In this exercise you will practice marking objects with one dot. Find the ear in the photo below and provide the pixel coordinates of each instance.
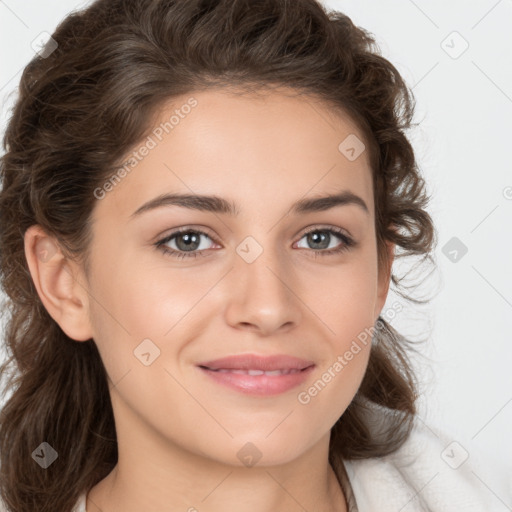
(56, 280)
(384, 278)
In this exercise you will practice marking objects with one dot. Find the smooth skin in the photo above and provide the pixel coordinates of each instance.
(179, 432)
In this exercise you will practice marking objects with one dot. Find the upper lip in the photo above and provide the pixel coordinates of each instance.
(256, 362)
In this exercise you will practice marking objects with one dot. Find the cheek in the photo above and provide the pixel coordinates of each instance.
(345, 313)
(343, 297)
(324, 401)
(139, 307)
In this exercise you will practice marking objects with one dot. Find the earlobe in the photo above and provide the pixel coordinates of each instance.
(63, 296)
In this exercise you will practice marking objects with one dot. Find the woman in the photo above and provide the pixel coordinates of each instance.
(201, 204)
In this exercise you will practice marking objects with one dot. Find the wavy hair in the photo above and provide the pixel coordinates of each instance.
(79, 111)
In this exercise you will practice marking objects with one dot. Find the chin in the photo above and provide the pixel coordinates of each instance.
(260, 450)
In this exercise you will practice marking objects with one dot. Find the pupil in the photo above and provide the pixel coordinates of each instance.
(316, 235)
(188, 240)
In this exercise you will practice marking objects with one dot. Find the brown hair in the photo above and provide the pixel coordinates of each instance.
(82, 108)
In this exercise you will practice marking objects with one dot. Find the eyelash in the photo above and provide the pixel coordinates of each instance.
(347, 244)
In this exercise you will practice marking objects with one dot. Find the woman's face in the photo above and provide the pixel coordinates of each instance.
(248, 282)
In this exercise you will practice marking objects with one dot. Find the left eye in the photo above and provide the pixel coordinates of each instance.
(188, 242)
(322, 237)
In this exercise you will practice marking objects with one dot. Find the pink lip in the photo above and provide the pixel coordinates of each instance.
(255, 362)
(263, 385)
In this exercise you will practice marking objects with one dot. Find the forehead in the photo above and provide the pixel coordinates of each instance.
(255, 149)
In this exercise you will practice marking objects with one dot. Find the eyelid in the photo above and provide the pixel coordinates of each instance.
(320, 227)
(347, 241)
(188, 227)
(209, 232)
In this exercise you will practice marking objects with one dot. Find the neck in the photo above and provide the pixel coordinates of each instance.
(194, 485)
(154, 473)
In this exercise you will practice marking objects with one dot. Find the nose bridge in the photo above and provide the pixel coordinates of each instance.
(261, 266)
(263, 293)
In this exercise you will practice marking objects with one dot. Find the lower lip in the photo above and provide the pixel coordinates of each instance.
(262, 385)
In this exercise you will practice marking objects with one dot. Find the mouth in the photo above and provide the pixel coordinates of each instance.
(254, 372)
(258, 375)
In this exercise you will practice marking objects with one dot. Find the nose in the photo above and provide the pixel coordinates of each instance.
(262, 297)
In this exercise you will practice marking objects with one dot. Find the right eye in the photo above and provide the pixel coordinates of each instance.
(187, 240)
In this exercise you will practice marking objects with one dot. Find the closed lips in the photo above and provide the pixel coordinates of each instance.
(255, 372)
(252, 364)
(258, 375)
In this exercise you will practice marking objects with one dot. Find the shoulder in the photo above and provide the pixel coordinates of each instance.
(430, 472)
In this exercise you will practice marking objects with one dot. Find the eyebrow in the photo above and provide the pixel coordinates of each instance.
(220, 205)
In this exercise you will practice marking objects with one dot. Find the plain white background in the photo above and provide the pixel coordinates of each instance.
(456, 58)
